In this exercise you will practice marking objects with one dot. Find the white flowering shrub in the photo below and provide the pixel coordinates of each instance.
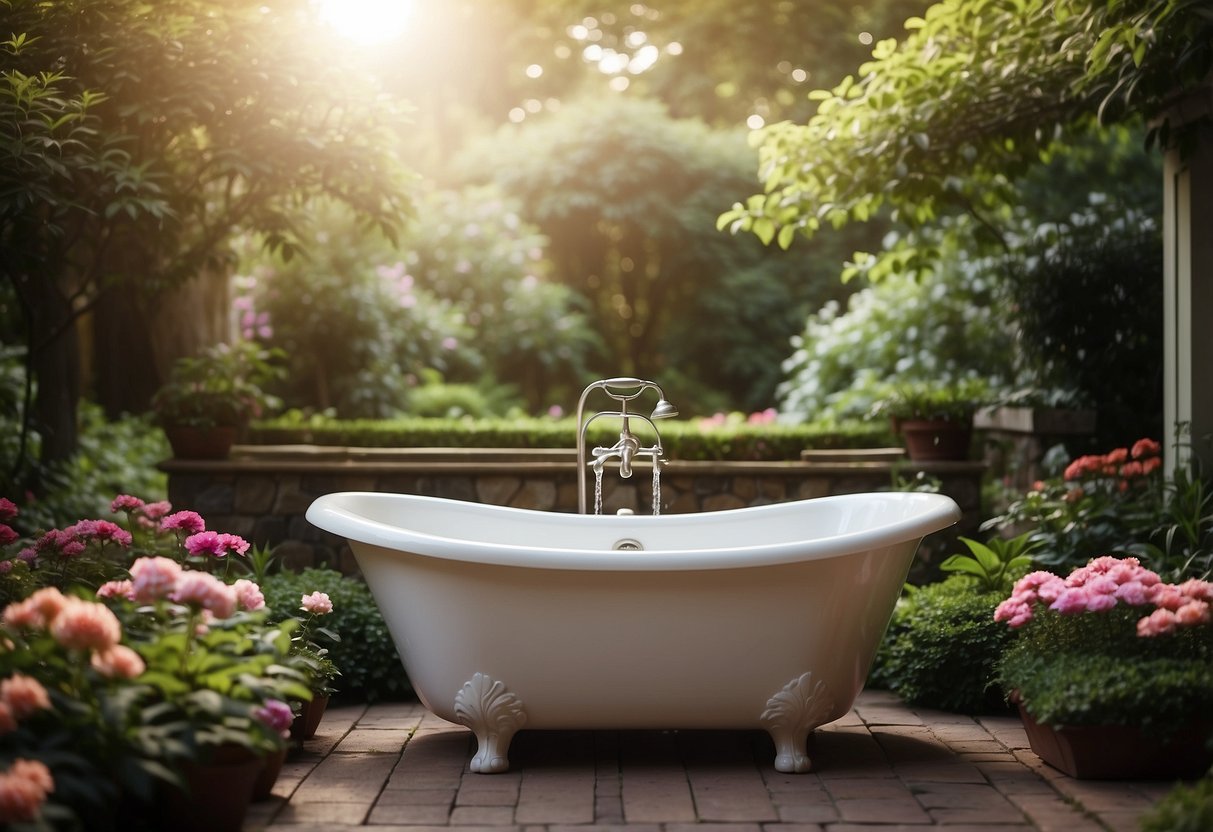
(940, 326)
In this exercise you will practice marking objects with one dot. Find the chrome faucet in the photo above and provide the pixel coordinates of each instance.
(622, 390)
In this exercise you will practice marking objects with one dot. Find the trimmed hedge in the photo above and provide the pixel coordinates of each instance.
(942, 648)
(682, 440)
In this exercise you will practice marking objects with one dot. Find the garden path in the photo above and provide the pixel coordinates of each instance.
(885, 766)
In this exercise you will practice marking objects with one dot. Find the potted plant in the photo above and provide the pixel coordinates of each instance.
(935, 420)
(318, 667)
(208, 398)
(1112, 670)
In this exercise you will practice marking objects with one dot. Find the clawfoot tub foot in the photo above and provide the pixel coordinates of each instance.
(494, 714)
(791, 715)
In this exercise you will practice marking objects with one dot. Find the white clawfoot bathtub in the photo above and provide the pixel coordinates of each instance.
(765, 617)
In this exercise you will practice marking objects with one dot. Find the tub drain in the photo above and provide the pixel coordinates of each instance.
(628, 544)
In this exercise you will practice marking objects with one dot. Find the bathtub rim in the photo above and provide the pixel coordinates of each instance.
(936, 512)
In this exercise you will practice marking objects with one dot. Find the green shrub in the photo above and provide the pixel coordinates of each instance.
(369, 664)
(1183, 809)
(943, 646)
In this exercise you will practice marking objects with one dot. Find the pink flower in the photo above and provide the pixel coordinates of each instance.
(8, 722)
(1132, 470)
(1071, 601)
(317, 603)
(203, 590)
(1097, 602)
(189, 522)
(85, 625)
(8, 509)
(37, 611)
(1156, 623)
(215, 544)
(1133, 593)
(1192, 614)
(24, 695)
(1015, 613)
(1117, 456)
(1145, 448)
(276, 715)
(1151, 464)
(23, 790)
(1102, 585)
(7, 535)
(1196, 589)
(157, 510)
(35, 771)
(102, 530)
(125, 502)
(118, 662)
(154, 578)
(248, 595)
(1166, 597)
(116, 589)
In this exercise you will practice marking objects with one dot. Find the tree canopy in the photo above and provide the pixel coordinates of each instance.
(135, 138)
(943, 120)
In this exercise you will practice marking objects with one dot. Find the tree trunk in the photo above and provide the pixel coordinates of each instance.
(56, 369)
(136, 340)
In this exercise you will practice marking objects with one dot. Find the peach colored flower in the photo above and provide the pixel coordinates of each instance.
(1145, 447)
(1156, 623)
(24, 695)
(118, 662)
(85, 625)
(34, 771)
(23, 790)
(36, 611)
(154, 578)
(1192, 614)
(203, 590)
(116, 589)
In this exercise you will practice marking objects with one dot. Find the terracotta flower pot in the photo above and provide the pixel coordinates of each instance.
(305, 725)
(217, 792)
(201, 443)
(272, 767)
(935, 439)
(1120, 752)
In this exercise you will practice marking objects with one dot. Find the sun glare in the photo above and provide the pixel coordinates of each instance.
(366, 22)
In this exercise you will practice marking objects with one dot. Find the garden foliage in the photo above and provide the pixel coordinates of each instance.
(131, 647)
(365, 656)
(942, 647)
(948, 325)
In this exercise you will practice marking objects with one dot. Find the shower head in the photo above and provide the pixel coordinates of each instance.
(664, 410)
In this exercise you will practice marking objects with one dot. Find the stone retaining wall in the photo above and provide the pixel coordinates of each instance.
(262, 492)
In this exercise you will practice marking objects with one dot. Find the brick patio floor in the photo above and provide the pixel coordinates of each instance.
(885, 766)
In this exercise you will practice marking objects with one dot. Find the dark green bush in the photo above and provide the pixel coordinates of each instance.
(942, 648)
(1184, 809)
(682, 440)
(1093, 669)
(369, 664)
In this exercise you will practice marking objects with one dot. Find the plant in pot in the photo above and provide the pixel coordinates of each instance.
(210, 397)
(314, 658)
(1112, 670)
(935, 420)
